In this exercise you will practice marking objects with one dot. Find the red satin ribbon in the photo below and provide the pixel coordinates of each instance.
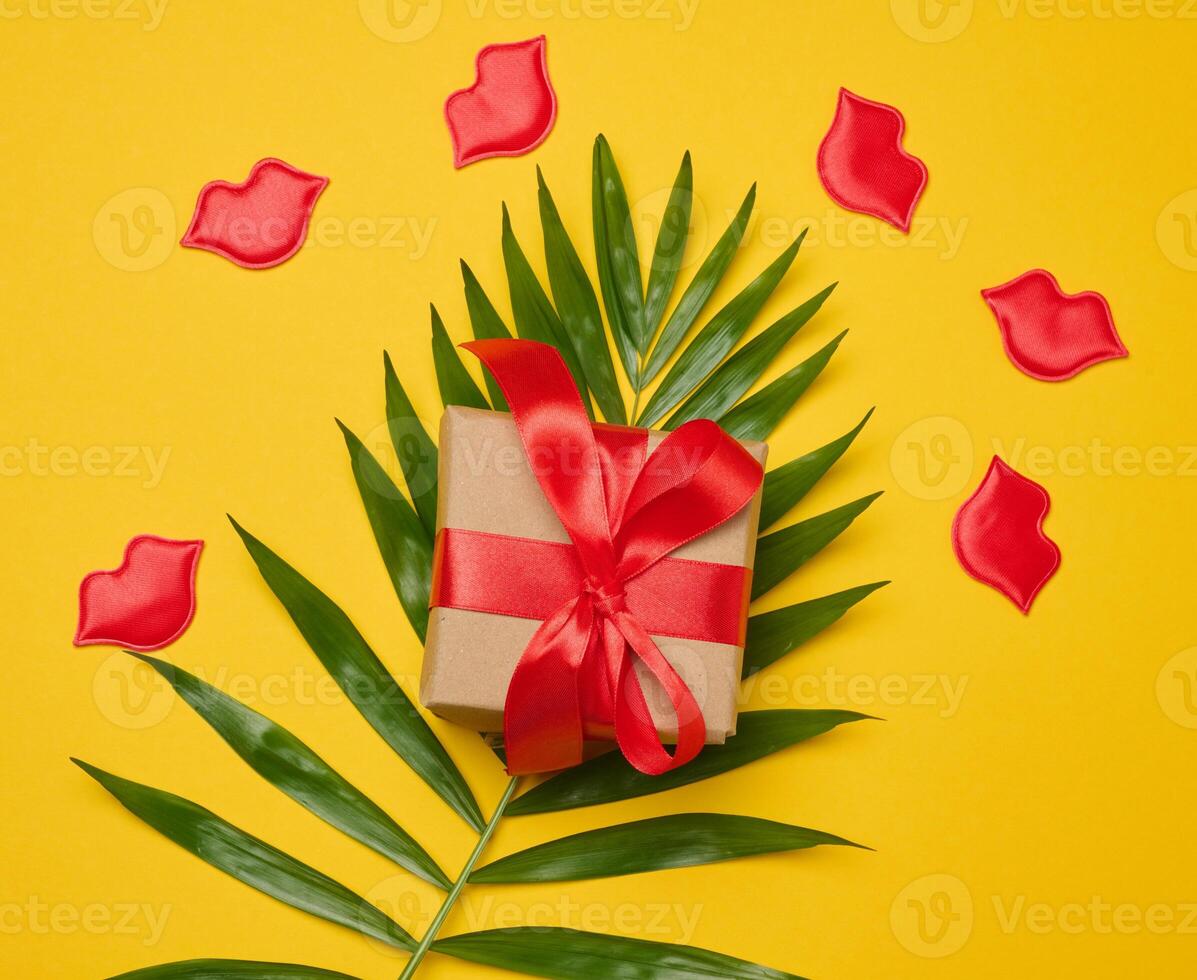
(624, 513)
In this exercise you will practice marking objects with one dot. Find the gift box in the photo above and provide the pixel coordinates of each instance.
(487, 485)
(504, 563)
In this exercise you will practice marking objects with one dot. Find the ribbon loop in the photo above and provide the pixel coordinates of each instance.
(622, 520)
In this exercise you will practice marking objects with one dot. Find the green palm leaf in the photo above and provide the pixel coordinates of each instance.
(249, 859)
(232, 970)
(535, 318)
(578, 308)
(785, 486)
(356, 668)
(618, 259)
(567, 954)
(772, 635)
(780, 554)
(402, 540)
(694, 299)
(609, 777)
(670, 247)
(713, 341)
(415, 451)
(291, 766)
(680, 840)
(743, 369)
(487, 325)
(452, 378)
(758, 416)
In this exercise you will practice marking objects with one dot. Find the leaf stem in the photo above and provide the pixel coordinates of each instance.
(455, 892)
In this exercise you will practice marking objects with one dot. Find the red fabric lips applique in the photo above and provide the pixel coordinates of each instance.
(998, 535)
(145, 604)
(511, 107)
(1049, 334)
(862, 163)
(260, 223)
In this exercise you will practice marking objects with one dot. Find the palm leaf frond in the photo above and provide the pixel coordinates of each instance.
(609, 777)
(785, 486)
(250, 860)
(232, 970)
(694, 299)
(680, 840)
(568, 954)
(780, 554)
(360, 674)
(716, 339)
(291, 766)
(578, 306)
(403, 542)
(415, 451)
(670, 247)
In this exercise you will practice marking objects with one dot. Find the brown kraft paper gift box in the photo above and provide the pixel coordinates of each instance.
(486, 484)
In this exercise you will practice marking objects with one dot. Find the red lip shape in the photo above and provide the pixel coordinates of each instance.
(510, 108)
(260, 223)
(145, 604)
(998, 535)
(1049, 334)
(862, 163)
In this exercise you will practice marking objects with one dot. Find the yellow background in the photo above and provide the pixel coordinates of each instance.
(1057, 135)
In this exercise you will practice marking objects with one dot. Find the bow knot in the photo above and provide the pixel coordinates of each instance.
(607, 599)
(577, 670)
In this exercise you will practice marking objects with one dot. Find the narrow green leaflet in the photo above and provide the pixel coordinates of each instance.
(743, 369)
(785, 486)
(713, 341)
(567, 954)
(625, 343)
(670, 247)
(356, 668)
(772, 635)
(415, 451)
(756, 417)
(250, 860)
(232, 970)
(780, 554)
(694, 299)
(609, 777)
(615, 248)
(402, 540)
(578, 308)
(680, 840)
(291, 766)
(454, 381)
(535, 318)
(487, 325)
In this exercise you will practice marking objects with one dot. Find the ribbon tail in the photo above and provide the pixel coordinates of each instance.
(542, 717)
(635, 730)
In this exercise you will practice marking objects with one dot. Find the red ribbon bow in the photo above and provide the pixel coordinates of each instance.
(623, 520)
